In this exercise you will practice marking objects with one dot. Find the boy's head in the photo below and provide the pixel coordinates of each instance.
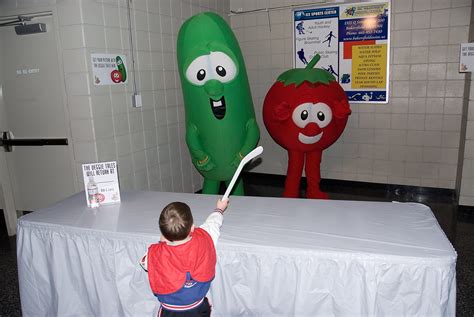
(176, 221)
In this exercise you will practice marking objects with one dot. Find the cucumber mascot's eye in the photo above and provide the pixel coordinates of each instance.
(201, 74)
(220, 71)
(216, 65)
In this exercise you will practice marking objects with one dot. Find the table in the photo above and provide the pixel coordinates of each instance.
(276, 257)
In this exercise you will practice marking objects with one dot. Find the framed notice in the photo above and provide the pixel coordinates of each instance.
(109, 69)
(353, 42)
(101, 183)
(466, 58)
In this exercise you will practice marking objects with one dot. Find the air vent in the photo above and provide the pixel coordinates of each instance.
(30, 28)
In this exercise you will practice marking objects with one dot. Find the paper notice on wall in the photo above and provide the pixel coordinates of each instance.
(466, 60)
(369, 66)
(109, 69)
(353, 42)
(101, 183)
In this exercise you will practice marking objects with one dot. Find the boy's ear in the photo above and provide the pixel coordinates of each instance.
(192, 228)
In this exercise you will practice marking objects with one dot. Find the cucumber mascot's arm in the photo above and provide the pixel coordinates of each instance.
(200, 159)
(251, 138)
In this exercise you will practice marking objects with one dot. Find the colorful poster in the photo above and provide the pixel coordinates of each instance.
(101, 183)
(353, 41)
(109, 69)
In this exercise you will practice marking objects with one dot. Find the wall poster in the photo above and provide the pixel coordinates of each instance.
(466, 59)
(109, 69)
(353, 42)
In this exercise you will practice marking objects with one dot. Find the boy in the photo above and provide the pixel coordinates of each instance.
(182, 265)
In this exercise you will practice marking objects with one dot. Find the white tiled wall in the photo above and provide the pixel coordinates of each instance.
(412, 140)
(148, 142)
(466, 192)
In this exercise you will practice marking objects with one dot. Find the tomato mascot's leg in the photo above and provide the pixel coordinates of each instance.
(293, 175)
(210, 186)
(238, 187)
(313, 175)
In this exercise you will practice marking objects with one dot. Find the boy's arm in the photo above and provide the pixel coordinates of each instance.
(213, 222)
(144, 262)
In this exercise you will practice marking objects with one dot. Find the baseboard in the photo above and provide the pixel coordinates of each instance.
(4, 239)
(356, 187)
(466, 209)
(386, 191)
(466, 214)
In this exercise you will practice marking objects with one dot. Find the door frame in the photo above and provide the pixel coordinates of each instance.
(6, 178)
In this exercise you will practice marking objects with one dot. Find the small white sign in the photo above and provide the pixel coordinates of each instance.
(27, 71)
(109, 69)
(101, 183)
(466, 60)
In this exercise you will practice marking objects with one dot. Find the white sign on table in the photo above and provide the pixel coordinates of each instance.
(101, 183)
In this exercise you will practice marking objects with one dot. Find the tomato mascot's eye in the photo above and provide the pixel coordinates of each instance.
(319, 113)
(201, 74)
(304, 115)
(321, 116)
(221, 71)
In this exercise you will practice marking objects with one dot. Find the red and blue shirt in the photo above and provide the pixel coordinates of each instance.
(181, 275)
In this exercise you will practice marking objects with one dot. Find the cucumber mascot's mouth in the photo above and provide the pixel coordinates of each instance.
(218, 107)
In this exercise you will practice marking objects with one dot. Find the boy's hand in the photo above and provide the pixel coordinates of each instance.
(222, 204)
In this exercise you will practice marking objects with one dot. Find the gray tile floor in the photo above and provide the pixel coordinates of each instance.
(460, 230)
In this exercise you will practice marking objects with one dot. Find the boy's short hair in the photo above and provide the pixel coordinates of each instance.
(176, 221)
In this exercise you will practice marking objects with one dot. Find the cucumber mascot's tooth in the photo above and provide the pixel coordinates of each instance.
(220, 118)
(121, 68)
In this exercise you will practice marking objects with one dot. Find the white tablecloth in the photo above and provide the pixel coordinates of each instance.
(276, 257)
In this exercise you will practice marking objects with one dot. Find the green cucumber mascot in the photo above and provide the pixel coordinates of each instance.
(220, 118)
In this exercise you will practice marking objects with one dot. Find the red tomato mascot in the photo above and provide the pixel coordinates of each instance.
(305, 111)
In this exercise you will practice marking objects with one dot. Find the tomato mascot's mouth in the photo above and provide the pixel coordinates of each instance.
(310, 134)
(309, 139)
(218, 107)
